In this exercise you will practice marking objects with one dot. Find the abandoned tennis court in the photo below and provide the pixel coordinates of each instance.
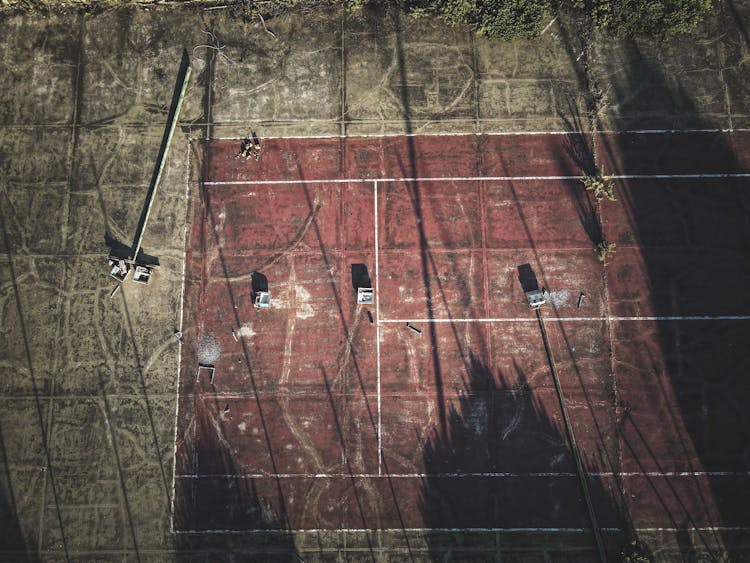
(428, 402)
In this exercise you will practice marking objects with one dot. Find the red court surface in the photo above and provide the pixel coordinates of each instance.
(325, 415)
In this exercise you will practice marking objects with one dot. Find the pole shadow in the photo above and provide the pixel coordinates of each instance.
(580, 150)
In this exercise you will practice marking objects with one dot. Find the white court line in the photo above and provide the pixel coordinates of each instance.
(476, 179)
(459, 530)
(679, 176)
(493, 475)
(505, 134)
(572, 319)
(377, 330)
(179, 342)
(402, 530)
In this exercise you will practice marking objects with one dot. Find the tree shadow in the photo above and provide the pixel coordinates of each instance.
(682, 230)
(409, 165)
(578, 146)
(580, 150)
(503, 464)
(474, 481)
(219, 512)
(739, 22)
(217, 496)
(705, 363)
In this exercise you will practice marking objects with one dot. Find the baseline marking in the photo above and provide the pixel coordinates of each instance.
(401, 530)
(573, 319)
(377, 330)
(474, 179)
(562, 475)
(509, 530)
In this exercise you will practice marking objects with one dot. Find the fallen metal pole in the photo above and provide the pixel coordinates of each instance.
(174, 113)
(573, 443)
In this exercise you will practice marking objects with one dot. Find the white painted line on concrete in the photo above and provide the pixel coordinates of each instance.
(402, 530)
(673, 131)
(504, 134)
(459, 530)
(484, 475)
